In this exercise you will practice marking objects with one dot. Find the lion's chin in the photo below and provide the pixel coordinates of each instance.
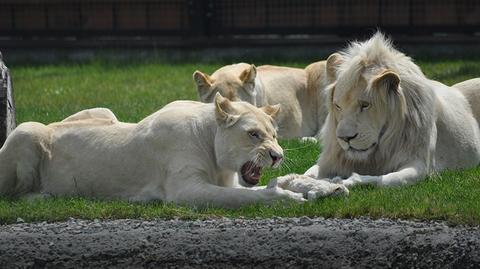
(360, 154)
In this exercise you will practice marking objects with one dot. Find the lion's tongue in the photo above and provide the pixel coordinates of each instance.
(255, 173)
(251, 173)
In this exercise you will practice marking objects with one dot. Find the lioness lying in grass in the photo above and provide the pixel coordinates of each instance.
(188, 152)
(471, 90)
(299, 91)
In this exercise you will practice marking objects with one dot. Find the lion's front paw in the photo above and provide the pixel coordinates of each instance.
(279, 194)
(308, 139)
(353, 180)
(337, 180)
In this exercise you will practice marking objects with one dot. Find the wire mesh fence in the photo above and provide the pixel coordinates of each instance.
(210, 18)
(331, 16)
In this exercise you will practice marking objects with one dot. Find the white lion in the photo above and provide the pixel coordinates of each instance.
(471, 90)
(388, 124)
(299, 91)
(187, 152)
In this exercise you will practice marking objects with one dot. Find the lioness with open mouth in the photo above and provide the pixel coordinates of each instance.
(299, 91)
(188, 152)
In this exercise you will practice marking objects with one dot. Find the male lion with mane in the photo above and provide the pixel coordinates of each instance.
(187, 152)
(388, 124)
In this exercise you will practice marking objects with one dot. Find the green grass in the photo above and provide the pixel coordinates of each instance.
(48, 93)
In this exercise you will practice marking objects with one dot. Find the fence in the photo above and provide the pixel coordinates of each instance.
(77, 19)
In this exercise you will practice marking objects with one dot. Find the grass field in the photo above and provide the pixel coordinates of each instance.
(48, 93)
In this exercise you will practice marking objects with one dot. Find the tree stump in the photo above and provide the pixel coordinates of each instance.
(7, 103)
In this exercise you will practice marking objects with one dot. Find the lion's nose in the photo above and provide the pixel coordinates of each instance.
(276, 157)
(348, 138)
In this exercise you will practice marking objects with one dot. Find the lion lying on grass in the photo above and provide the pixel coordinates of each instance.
(299, 91)
(388, 124)
(471, 90)
(187, 152)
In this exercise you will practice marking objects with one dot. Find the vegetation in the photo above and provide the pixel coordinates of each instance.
(48, 93)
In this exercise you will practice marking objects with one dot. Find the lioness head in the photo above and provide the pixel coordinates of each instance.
(246, 139)
(362, 99)
(235, 82)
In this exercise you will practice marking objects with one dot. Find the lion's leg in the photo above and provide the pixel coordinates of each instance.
(405, 176)
(93, 113)
(308, 139)
(205, 194)
(20, 158)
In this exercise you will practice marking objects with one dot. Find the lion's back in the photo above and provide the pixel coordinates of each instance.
(458, 135)
(179, 116)
(107, 157)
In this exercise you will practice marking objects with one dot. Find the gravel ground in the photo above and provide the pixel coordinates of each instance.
(224, 243)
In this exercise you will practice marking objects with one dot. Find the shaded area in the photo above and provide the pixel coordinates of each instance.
(190, 24)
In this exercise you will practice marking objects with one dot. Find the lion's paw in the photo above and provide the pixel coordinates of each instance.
(337, 180)
(308, 139)
(353, 180)
(279, 194)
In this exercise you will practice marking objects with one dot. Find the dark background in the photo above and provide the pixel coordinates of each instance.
(224, 23)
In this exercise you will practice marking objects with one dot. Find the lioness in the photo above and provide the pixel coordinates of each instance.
(187, 152)
(471, 90)
(388, 124)
(299, 91)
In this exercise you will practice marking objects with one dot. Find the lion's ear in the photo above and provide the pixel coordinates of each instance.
(204, 83)
(223, 111)
(329, 92)
(333, 62)
(248, 75)
(272, 111)
(388, 80)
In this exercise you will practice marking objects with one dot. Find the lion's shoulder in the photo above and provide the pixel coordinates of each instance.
(316, 76)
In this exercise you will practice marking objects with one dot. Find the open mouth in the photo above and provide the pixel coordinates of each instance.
(251, 173)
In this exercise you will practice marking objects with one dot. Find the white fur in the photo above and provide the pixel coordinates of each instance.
(419, 126)
(187, 152)
(471, 90)
(299, 91)
(311, 188)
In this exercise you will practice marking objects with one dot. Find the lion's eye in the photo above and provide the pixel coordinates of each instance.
(254, 134)
(337, 107)
(364, 106)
